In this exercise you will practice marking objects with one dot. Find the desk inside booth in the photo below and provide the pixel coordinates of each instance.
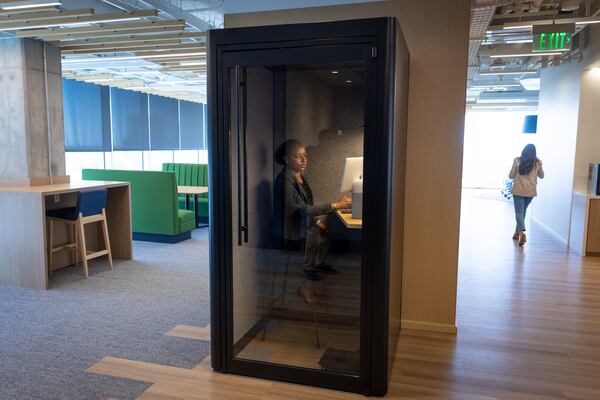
(24, 236)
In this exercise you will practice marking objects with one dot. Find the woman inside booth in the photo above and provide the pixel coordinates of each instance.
(297, 220)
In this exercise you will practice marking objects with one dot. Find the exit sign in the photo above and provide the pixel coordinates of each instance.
(553, 37)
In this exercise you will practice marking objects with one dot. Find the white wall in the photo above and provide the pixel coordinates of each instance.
(557, 135)
(588, 138)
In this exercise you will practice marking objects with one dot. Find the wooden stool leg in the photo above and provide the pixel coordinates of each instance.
(50, 244)
(83, 246)
(106, 238)
(77, 250)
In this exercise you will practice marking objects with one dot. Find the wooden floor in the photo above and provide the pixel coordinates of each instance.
(528, 320)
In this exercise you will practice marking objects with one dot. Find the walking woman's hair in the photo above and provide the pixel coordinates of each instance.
(528, 159)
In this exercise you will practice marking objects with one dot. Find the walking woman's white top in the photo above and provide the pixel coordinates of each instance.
(525, 185)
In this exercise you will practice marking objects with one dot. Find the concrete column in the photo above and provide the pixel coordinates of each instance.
(31, 152)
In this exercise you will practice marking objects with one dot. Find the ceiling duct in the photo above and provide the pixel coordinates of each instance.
(481, 16)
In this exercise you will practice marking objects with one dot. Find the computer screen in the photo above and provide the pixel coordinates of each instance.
(353, 170)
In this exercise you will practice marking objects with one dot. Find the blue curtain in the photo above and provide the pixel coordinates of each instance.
(164, 123)
(86, 110)
(191, 125)
(129, 112)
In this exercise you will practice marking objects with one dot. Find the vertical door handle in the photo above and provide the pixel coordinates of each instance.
(238, 112)
(244, 84)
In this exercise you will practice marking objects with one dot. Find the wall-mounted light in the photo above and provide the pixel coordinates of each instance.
(530, 124)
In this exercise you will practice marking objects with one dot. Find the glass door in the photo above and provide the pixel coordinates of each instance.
(296, 125)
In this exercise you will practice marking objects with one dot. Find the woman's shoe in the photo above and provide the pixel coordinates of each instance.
(522, 238)
(516, 235)
(311, 275)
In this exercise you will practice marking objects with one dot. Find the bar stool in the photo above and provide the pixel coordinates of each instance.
(90, 208)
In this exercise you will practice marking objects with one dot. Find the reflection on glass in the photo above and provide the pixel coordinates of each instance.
(297, 247)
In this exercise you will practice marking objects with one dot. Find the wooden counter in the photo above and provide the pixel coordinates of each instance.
(349, 222)
(584, 235)
(23, 231)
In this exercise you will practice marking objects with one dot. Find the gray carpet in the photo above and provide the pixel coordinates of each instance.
(48, 338)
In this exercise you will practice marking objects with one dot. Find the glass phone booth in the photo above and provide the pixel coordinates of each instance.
(302, 158)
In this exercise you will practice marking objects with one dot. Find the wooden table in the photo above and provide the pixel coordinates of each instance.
(192, 191)
(348, 221)
(23, 231)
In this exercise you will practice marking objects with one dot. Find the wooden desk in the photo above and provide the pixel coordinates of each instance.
(584, 232)
(23, 231)
(192, 191)
(349, 222)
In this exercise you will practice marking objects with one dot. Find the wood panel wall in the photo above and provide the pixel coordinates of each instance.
(437, 34)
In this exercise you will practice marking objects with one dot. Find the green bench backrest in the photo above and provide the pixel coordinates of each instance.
(189, 174)
(153, 198)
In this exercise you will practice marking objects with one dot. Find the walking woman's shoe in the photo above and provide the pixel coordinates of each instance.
(522, 238)
(516, 235)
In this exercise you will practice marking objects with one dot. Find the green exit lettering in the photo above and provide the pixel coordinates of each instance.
(552, 41)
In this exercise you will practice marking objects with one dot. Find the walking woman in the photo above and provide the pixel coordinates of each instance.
(525, 171)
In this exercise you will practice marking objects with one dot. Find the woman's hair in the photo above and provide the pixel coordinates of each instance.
(285, 149)
(528, 159)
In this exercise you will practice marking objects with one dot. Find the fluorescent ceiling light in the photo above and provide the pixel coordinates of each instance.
(531, 83)
(191, 63)
(67, 24)
(105, 59)
(519, 41)
(494, 85)
(31, 4)
(526, 26)
(508, 73)
(492, 101)
(555, 53)
(587, 22)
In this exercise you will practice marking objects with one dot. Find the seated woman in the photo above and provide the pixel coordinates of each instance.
(296, 216)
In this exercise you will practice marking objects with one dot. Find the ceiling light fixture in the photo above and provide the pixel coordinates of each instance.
(528, 72)
(348, 81)
(335, 72)
(22, 5)
(555, 53)
(105, 59)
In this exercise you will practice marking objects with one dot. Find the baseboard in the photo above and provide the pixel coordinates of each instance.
(154, 237)
(550, 231)
(428, 326)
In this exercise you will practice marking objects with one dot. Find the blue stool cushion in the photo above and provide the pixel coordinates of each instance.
(89, 202)
(69, 213)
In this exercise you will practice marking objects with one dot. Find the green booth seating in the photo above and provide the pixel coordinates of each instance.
(191, 175)
(154, 212)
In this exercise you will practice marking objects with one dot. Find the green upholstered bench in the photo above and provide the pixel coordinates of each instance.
(154, 210)
(191, 175)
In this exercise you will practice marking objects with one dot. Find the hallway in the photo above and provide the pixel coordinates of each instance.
(528, 318)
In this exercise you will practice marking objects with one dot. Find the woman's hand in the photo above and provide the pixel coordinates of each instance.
(343, 202)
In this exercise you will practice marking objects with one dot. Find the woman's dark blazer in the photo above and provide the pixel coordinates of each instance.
(293, 211)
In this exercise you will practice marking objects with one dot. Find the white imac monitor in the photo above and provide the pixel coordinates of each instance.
(353, 170)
